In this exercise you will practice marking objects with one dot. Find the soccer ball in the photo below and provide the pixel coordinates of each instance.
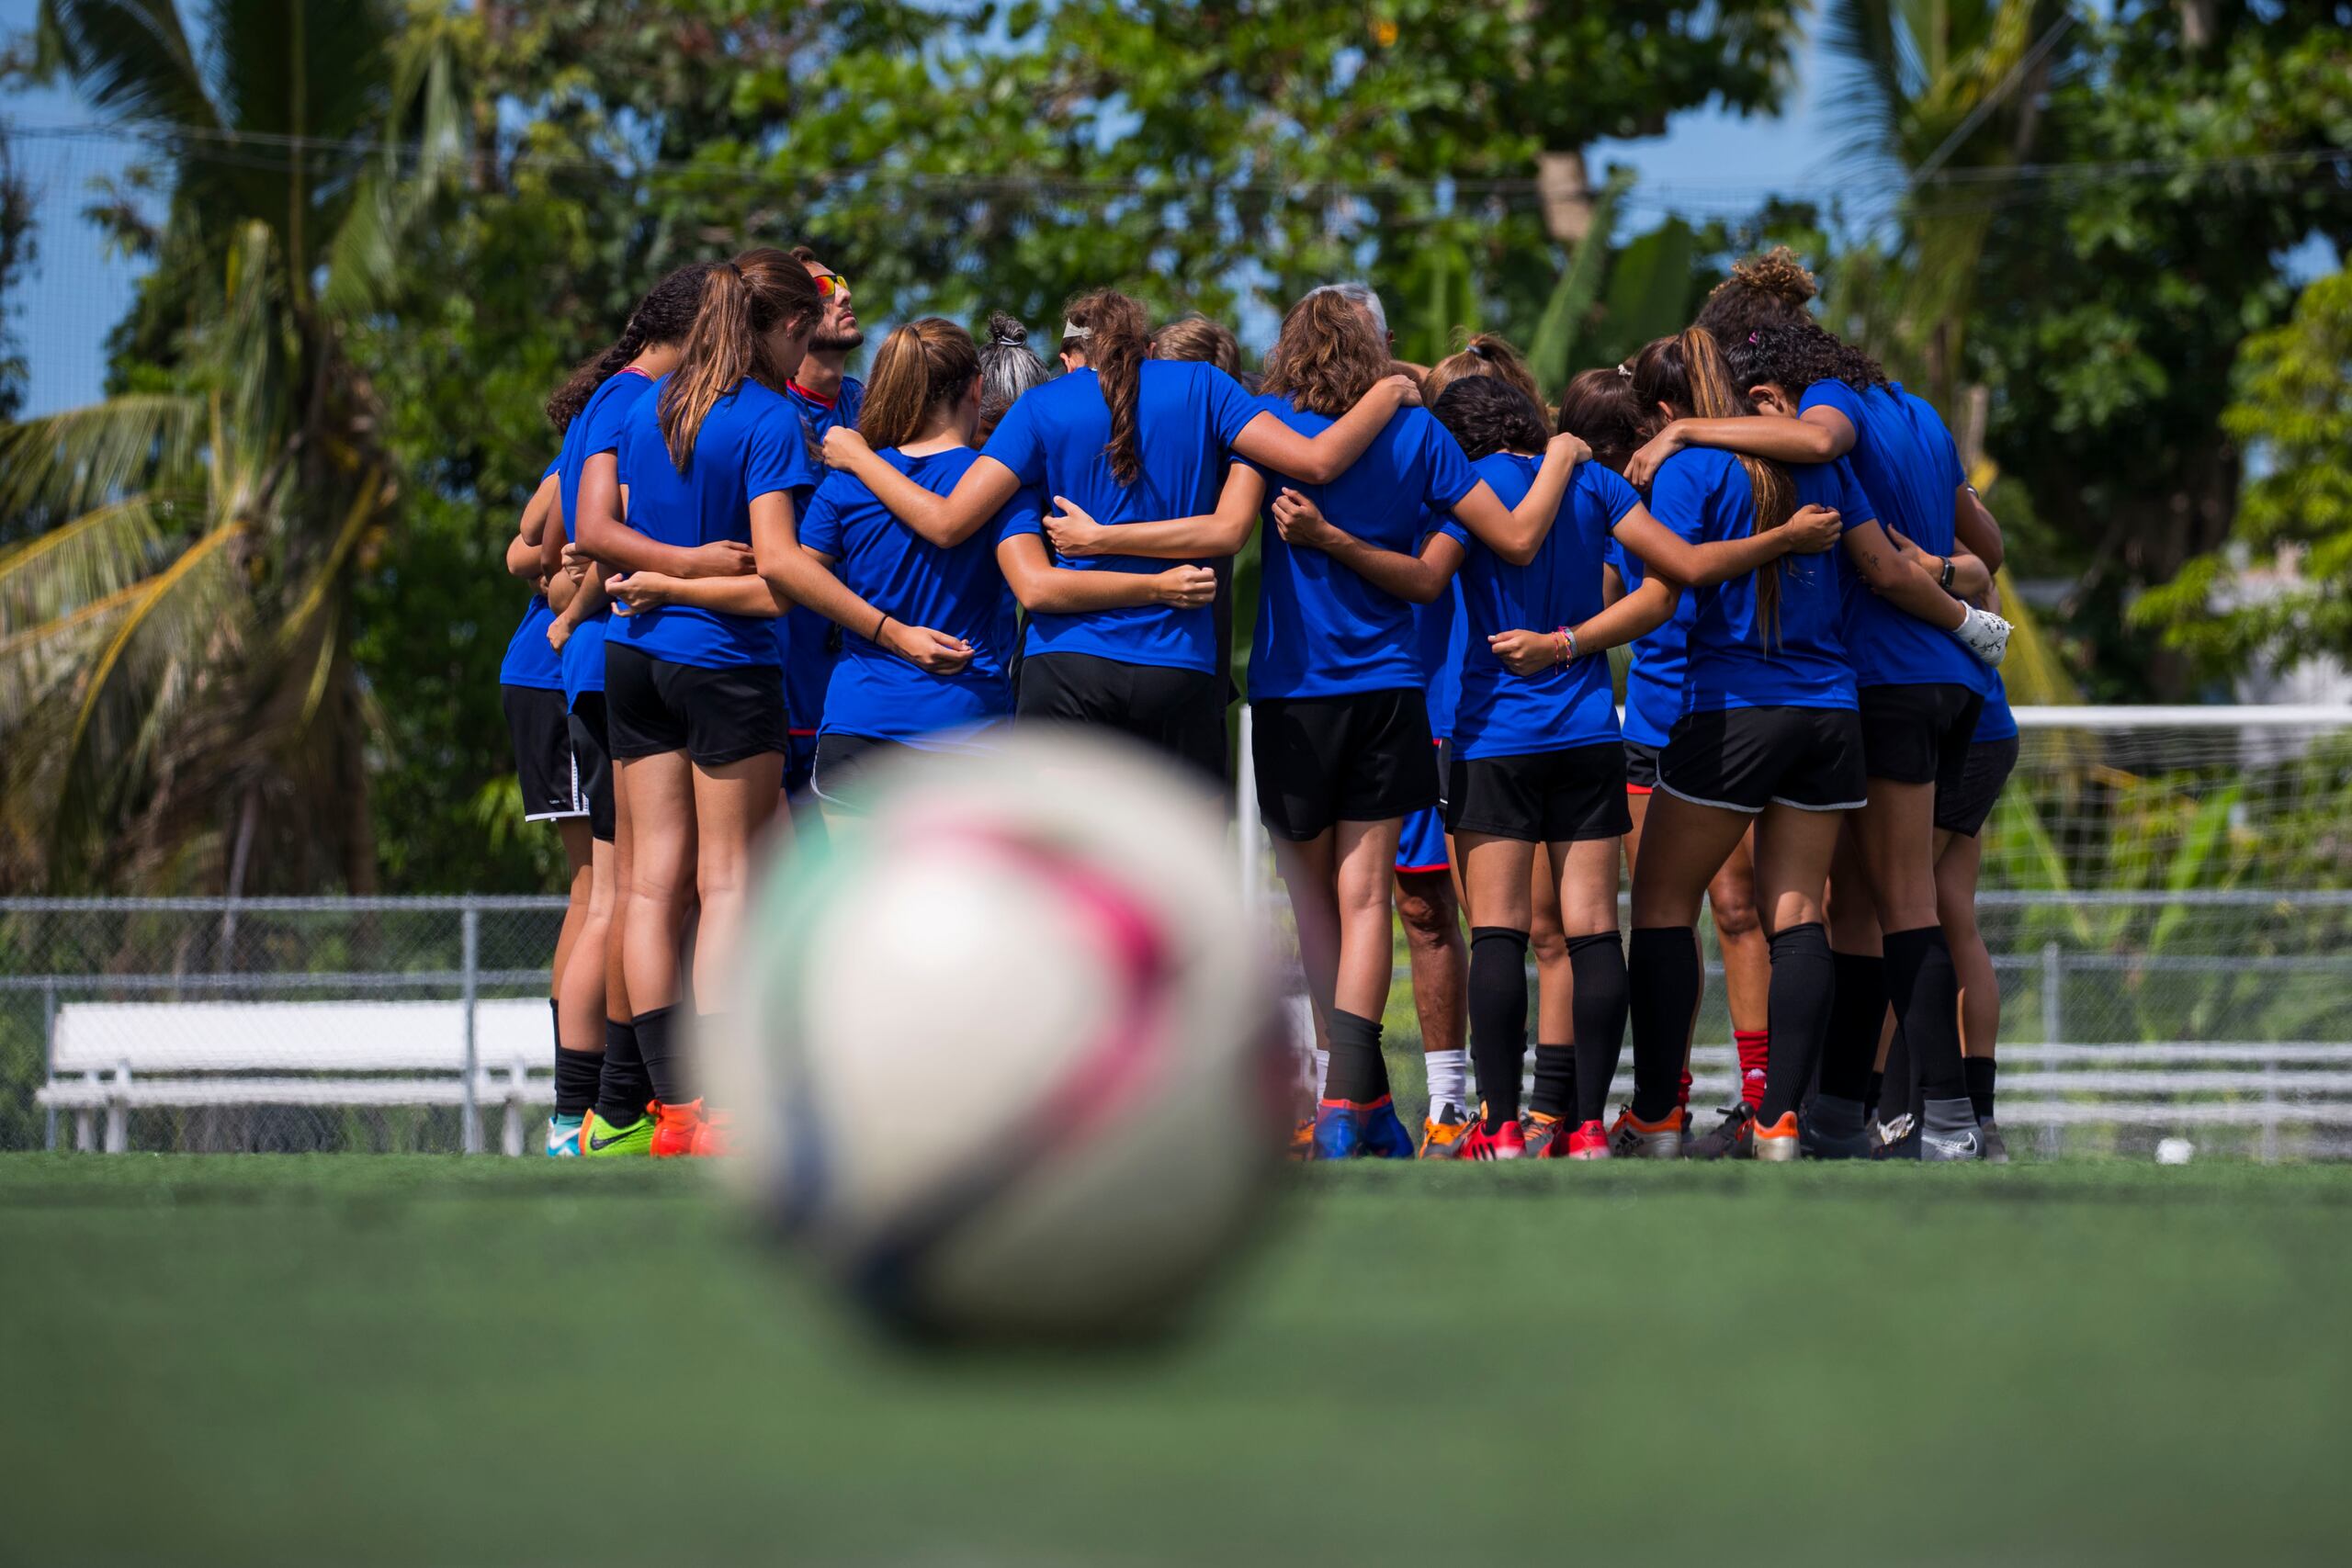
(1003, 1055)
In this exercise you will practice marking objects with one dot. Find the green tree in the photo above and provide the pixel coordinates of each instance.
(17, 252)
(2293, 411)
(177, 678)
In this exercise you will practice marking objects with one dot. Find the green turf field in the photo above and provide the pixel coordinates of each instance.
(381, 1359)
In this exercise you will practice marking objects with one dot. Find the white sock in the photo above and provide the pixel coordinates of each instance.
(1322, 1072)
(1449, 1078)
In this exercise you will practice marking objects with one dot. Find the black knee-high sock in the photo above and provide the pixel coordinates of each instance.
(1498, 1017)
(577, 1074)
(1805, 989)
(1902, 1086)
(623, 1089)
(1603, 996)
(659, 1046)
(1855, 1018)
(1556, 1082)
(1358, 1074)
(1925, 990)
(1982, 1072)
(1663, 968)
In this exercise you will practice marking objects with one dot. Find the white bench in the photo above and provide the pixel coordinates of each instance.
(117, 1057)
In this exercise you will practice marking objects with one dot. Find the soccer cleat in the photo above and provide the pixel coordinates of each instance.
(1442, 1136)
(1339, 1131)
(1778, 1142)
(1834, 1128)
(1899, 1139)
(710, 1138)
(1381, 1135)
(1733, 1137)
(1504, 1142)
(1633, 1138)
(1539, 1132)
(563, 1137)
(1997, 1148)
(1949, 1131)
(598, 1139)
(1302, 1139)
(675, 1128)
(1588, 1142)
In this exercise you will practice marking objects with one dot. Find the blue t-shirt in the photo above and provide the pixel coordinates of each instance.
(1440, 631)
(1909, 468)
(1322, 630)
(873, 692)
(1735, 660)
(1654, 679)
(1053, 439)
(529, 660)
(809, 641)
(1998, 723)
(597, 429)
(1504, 715)
(751, 443)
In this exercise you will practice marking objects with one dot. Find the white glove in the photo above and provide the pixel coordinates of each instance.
(1984, 635)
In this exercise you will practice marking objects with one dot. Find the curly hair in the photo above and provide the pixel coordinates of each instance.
(1481, 354)
(665, 316)
(1762, 291)
(1597, 407)
(1794, 357)
(1687, 373)
(1487, 414)
(1327, 355)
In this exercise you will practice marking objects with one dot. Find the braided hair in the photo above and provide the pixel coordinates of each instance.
(665, 316)
(1117, 341)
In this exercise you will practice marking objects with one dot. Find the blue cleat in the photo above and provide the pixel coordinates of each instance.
(1380, 1135)
(564, 1137)
(1338, 1130)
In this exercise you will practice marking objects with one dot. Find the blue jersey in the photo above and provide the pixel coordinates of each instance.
(1653, 677)
(1055, 439)
(1322, 630)
(1908, 467)
(1739, 658)
(597, 429)
(807, 640)
(1998, 723)
(873, 692)
(751, 443)
(1504, 715)
(1439, 630)
(529, 660)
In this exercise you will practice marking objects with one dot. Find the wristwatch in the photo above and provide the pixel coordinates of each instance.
(1946, 576)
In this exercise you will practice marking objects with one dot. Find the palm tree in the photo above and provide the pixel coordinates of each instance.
(176, 677)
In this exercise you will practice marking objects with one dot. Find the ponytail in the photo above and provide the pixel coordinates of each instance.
(1008, 368)
(1480, 354)
(743, 301)
(921, 366)
(1687, 372)
(664, 316)
(1117, 341)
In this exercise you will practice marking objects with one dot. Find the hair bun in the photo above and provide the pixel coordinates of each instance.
(1778, 273)
(1005, 330)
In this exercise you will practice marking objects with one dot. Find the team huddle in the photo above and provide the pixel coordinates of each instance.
(755, 576)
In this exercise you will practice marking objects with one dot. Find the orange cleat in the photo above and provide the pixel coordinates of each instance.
(710, 1138)
(675, 1128)
(1302, 1139)
(1633, 1138)
(1541, 1131)
(1778, 1141)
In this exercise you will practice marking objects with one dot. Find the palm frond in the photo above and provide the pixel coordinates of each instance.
(130, 59)
(95, 554)
(64, 464)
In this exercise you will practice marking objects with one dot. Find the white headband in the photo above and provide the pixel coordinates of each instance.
(1070, 331)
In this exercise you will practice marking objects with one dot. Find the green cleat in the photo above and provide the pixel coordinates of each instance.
(598, 1141)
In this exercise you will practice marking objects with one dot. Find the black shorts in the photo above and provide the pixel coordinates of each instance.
(592, 749)
(843, 761)
(1358, 757)
(1746, 758)
(1178, 711)
(543, 760)
(1916, 735)
(1963, 810)
(800, 761)
(1543, 797)
(1640, 768)
(715, 717)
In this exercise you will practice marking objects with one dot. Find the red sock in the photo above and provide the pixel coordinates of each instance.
(1682, 1092)
(1753, 1054)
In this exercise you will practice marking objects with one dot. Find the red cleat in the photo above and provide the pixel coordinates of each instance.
(675, 1128)
(710, 1138)
(1588, 1142)
(1504, 1142)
